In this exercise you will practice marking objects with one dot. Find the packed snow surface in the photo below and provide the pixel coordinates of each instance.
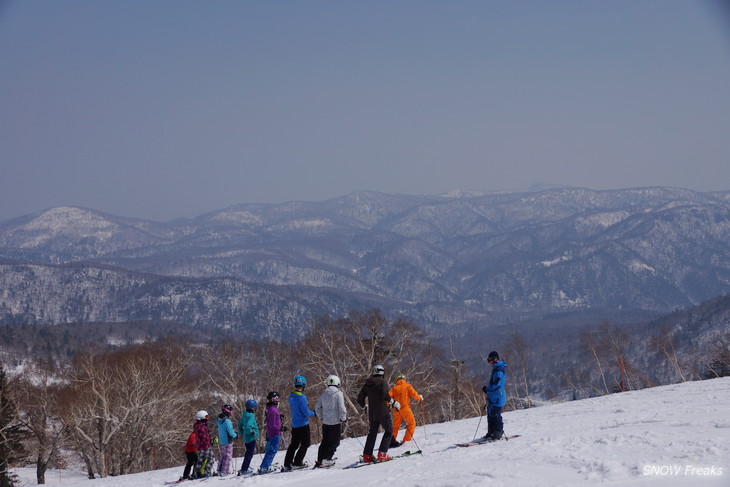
(670, 435)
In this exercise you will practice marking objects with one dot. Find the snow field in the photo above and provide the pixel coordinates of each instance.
(670, 435)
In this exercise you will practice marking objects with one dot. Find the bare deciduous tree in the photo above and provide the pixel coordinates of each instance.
(127, 408)
(517, 351)
(38, 393)
(349, 347)
(663, 344)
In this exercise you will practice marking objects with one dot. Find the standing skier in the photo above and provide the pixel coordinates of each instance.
(300, 431)
(496, 397)
(190, 455)
(379, 402)
(403, 392)
(202, 444)
(249, 431)
(273, 432)
(226, 436)
(330, 409)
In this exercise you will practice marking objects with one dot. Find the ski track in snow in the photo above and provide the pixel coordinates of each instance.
(612, 440)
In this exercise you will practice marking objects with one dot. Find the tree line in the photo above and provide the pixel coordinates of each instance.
(130, 409)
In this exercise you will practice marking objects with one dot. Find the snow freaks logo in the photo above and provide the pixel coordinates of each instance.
(682, 470)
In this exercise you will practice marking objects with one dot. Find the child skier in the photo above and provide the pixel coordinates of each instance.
(496, 397)
(379, 402)
(273, 432)
(226, 436)
(202, 443)
(300, 432)
(249, 431)
(330, 409)
(403, 392)
(191, 455)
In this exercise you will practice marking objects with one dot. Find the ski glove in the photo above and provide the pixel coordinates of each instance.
(484, 389)
(394, 404)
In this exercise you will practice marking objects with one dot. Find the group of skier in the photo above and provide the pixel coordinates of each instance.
(374, 397)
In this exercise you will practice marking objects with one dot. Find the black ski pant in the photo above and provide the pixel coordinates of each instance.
(387, 424)
(300, 441)
(330, 441)
(192, 459)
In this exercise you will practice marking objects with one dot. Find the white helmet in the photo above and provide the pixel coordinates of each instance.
(378, 370)
(201, 415)
(333, 380)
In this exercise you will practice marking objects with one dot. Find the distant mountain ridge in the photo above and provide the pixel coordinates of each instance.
(460, 258)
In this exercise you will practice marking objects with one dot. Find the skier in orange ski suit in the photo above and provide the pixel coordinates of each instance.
(403, 392)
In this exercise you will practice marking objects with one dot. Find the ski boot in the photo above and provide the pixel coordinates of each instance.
(367, 458)
(383, 456)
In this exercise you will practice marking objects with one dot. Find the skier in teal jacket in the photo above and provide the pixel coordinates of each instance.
(249, 431)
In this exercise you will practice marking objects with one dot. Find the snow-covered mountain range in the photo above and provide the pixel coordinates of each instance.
(464, 258)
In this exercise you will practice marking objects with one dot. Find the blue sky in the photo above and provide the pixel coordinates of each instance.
(171, 108)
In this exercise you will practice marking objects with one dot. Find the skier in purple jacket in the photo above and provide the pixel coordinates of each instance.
(273, 431)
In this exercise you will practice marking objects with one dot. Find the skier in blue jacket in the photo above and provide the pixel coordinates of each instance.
(496, 397)
(300, 433)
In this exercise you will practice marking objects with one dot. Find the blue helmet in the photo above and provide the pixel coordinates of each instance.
(251, 404)
(300, 381)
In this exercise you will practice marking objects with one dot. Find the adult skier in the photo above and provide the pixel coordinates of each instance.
(378, 407)
(403, 392)
(496, 397)
(330, 409)
(300, 431)
(226, 436)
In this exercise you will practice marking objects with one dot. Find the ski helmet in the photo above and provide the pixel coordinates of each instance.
(378, 370)
(400, 377)
(201, 415)
(492, 357)
(300, 381)
(333, 380)
(273, 396)
(251, 404)
(227, 409)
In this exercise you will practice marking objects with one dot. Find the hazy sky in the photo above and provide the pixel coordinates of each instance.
(161, 109)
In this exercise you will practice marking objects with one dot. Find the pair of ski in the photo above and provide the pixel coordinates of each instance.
(197, 480)
(276, 469)
(483, 441)
(359, 464)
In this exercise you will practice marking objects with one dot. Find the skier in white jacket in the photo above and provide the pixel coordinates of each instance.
(330, 409)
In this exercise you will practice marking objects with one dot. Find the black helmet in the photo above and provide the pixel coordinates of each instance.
(273, 396)
(493, 357)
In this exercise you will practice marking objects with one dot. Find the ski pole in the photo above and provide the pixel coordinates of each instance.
(423, 421)
(479, 424)
(353, 434)
(235, 459)
(416, 443)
